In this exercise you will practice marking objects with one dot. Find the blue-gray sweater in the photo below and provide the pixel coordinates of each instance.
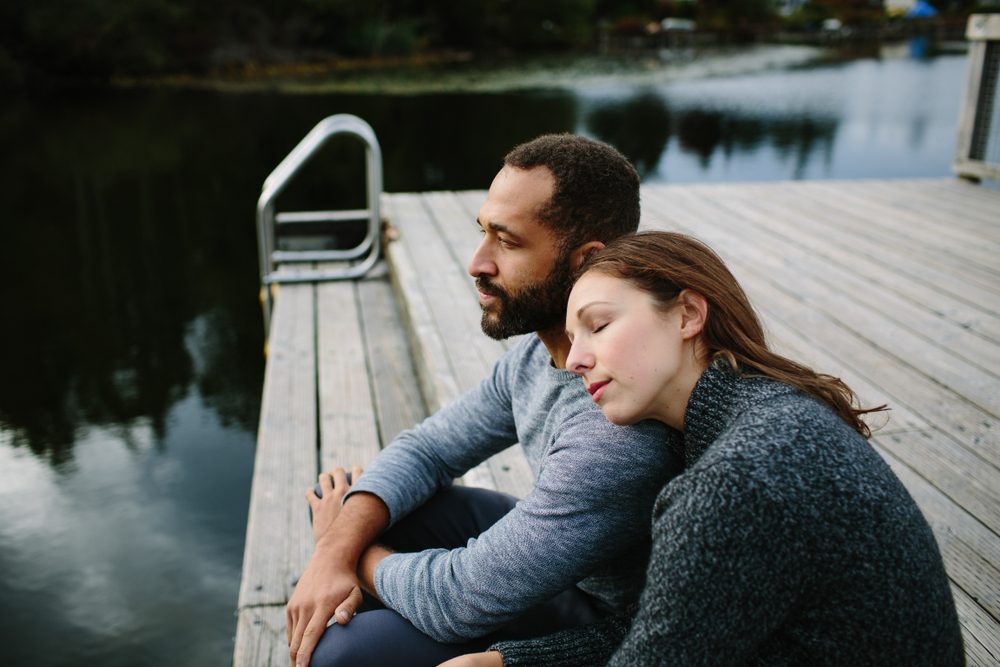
(583, 523)
(787, 541)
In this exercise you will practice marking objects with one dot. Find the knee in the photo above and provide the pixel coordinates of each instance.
(338, 647)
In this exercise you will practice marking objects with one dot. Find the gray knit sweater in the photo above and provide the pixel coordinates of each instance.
(786, 541)
(585, 522)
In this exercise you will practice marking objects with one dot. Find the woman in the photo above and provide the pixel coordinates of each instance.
(787, 539)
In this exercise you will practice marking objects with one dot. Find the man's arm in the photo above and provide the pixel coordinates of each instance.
(331, 575)
(590, 507)
(403, 476)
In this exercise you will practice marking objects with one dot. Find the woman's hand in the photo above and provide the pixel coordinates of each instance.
(487, 659)
(334, 486)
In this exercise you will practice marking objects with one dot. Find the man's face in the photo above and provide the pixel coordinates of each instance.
(522, 277)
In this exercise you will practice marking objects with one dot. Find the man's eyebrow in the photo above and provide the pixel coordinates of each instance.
(496, 227)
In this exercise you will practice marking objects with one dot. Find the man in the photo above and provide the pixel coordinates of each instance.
(575, 547)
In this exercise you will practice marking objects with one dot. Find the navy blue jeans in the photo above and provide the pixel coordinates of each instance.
(379, 637)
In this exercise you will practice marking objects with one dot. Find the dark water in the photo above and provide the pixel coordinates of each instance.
(130, 350)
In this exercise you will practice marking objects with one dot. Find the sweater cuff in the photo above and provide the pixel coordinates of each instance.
(553, 651)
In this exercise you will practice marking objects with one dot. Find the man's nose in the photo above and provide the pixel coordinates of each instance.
(481, 263)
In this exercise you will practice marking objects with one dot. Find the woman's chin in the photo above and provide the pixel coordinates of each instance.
(618, 418)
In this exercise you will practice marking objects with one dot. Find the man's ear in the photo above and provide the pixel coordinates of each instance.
(694, 313)
(583, 252)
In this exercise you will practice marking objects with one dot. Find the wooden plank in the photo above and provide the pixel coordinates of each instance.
(891, 237)
(979, 632)
(858, 229)
(821, 240)
(399, 402)
(970, 550)
(286, 457)
(911, 233)
(953, 203)
(451, 300)
(437, 382)
(348, 428)
(261, 640)
(953, 470)
(920, 205)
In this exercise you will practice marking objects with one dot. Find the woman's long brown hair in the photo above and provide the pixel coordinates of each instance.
(662, 264)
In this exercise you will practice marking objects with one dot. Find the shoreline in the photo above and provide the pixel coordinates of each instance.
(459, 72)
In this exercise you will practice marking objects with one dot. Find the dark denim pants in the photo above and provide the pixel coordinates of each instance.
(379, 637)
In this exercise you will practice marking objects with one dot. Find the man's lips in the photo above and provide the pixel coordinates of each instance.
(487, 292)
(597, 389)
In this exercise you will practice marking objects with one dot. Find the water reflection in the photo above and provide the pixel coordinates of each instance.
(120, 236)
(639, 126)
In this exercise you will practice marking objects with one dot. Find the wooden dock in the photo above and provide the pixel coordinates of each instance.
(892, 285)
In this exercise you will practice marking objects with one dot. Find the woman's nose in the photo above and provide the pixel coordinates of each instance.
(579, 360)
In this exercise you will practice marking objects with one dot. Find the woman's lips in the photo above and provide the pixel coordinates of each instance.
(597, 390)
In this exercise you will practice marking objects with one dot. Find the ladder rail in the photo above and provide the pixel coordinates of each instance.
(367, 250)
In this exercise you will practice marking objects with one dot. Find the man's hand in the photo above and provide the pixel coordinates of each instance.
(329, 587)
(488, 659)
(325, 510)
(326, 590)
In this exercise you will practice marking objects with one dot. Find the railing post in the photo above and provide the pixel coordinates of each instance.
(977, 151)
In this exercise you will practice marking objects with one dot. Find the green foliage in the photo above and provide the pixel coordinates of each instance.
(736, 14)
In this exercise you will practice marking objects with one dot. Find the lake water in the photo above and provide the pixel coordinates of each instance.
(131, 351)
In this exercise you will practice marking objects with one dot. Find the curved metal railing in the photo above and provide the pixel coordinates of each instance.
(367, 251)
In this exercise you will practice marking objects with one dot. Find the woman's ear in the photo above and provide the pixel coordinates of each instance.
(694, 313)
(583, 252)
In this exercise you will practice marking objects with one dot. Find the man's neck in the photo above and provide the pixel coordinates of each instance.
(558, 345)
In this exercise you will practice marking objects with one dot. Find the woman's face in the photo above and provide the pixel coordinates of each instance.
(637, 361)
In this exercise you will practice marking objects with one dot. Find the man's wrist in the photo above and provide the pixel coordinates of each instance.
(367, 565)
(362, 518)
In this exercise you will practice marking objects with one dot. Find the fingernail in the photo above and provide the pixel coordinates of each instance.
(342, 615)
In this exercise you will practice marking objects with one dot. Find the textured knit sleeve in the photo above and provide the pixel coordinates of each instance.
(590, 508)
(730, 560)
(444, 446)
(586, 646)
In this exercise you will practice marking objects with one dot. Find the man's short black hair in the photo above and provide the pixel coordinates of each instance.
(596, 194)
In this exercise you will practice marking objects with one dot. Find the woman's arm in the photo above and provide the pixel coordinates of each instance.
(577, 647)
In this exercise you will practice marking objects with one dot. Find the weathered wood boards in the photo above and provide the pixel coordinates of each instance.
(339, 383)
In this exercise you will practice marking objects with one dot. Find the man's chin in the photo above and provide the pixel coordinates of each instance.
(491, 326)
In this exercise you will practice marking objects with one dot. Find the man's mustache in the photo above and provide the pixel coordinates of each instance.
(486, 287)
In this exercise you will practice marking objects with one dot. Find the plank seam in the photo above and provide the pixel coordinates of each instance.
(369, 369)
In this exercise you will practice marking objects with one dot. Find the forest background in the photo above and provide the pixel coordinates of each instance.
(46, 42)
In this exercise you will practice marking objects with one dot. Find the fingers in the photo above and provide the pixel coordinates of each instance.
(355, 473)
(340, 485)
(317, 625)
(326, 483)
(349, 607)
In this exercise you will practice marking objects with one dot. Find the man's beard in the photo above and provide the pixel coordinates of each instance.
(536, 307)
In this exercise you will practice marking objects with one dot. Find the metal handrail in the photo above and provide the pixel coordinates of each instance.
(369, 248)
